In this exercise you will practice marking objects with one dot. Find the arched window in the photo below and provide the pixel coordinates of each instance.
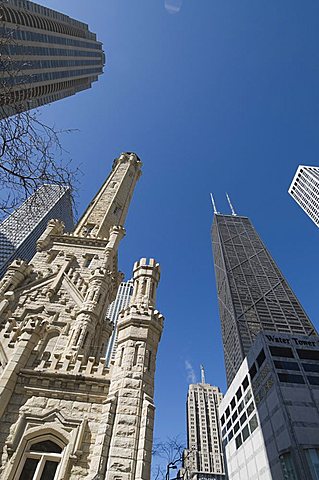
(40, 461)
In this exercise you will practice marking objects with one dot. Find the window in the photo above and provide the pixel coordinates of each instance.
(236, 427)
(245, 383)
(281, 352)
(312, 455)
(245, 433)
(239, 393)
(250, 408)
(243, 418)
(252, 371)
(238, 441)
(87, 261)
(287, 467)
(290, 378)
(286, 365)
(261, 358)
(40, 461)
(253, 423)
(308, 354)
(240, 407)
(311, 367)
(313, 380)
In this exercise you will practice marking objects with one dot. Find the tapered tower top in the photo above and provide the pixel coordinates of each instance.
(110, 205)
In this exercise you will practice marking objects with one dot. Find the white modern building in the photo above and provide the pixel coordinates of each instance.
(20, 231)
(203, 458)
(122, 300)
(304, 189)
(270, 413)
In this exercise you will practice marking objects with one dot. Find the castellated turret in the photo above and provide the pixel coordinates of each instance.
(63, 414)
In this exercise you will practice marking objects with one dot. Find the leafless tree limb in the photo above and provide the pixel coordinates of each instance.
(31, 152)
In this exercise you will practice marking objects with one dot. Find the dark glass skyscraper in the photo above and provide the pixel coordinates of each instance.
(253, 295)
(45, 56)
(20, 231)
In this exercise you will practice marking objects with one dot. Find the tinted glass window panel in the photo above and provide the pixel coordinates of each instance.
(245, 383)
(281, 352)
(261, 358)
(29, 469)
(252, 371)
(308, 354)
(313, 380)
(290, 378)
(253, 423)
(286, 365)
(245, 433)
(49, 470)
(311, 367)
(243, 418)
(238, 441)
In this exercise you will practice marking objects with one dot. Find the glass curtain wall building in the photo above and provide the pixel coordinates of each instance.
(304, 189)
(122, 300)
(253, 295)
(20, 231)
(46, 56)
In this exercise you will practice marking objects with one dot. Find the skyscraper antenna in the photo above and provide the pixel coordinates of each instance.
(202, 371)
(213, 203)
(231, 206)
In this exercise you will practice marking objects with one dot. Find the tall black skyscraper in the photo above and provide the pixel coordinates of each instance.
(253, 295)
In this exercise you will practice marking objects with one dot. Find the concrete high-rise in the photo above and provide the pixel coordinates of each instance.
(304, 189)
(270, 412)
(20, 231)
(122, 300)
(63, 414)
(203, 458)
(253, 294)
(45, 56)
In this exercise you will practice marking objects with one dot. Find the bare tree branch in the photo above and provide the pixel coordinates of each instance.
(31, 153)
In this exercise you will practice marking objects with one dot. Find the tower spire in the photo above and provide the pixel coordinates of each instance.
(213, 203)
(110, 205)
(230, 205)
(202, 371)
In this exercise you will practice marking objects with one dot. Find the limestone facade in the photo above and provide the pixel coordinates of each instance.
(63, 414)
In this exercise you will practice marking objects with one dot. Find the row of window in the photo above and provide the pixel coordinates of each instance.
(43, 77)
(287, 352)
(19, 17)
(26, 35)
(43, 64)
(28, 50)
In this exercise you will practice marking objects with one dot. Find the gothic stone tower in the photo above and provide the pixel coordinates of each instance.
(63, 414)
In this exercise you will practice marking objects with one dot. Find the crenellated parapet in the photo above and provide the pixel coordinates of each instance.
(146, 276)
(55, 227)
(16, 273)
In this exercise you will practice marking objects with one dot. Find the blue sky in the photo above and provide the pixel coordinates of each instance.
(221, 96)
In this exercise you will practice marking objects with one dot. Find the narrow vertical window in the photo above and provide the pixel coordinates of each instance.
(135, 354)
(121, 357)
(149, 360)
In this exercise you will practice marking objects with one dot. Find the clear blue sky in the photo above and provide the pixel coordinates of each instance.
(222, 96)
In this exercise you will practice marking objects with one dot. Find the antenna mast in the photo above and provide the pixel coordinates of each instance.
(202, 370)
(213, 203)
(230, 205)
